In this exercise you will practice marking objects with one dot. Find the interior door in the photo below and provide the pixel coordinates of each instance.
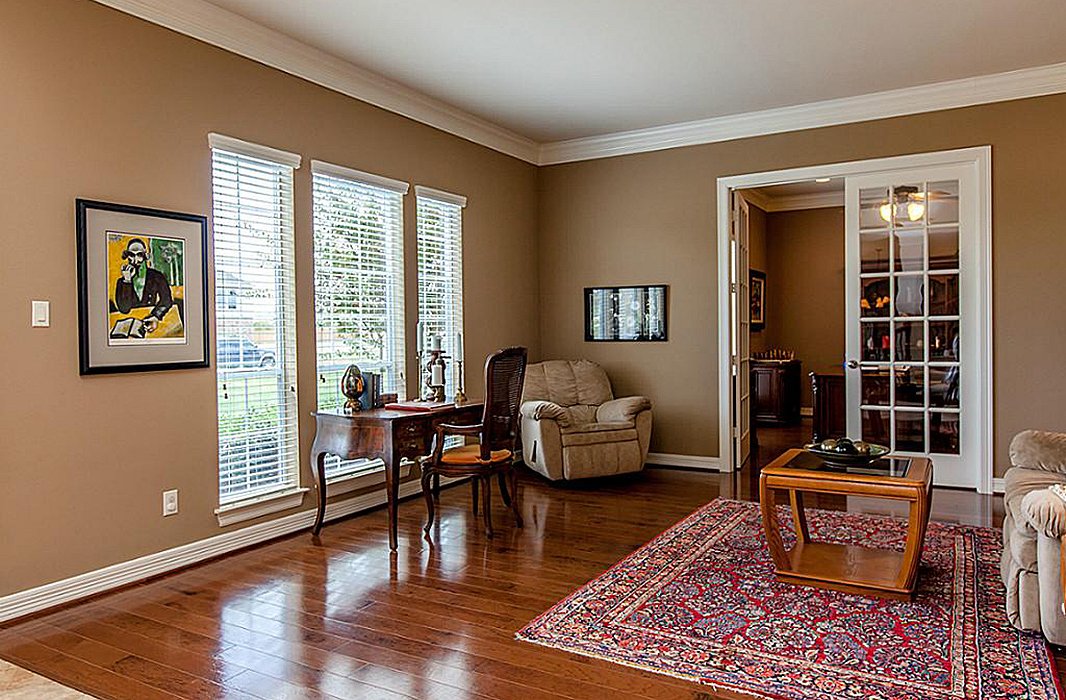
(741, 306)
(911, 287)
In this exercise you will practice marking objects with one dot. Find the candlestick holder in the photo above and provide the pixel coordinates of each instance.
(460, 395)
(433, 372)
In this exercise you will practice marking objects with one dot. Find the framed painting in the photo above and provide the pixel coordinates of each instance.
(635, 313)
(758, 300)
(142, 289)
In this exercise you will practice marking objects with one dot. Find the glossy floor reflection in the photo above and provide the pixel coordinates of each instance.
(344, 619)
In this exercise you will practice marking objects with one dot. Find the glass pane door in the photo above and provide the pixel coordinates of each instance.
(909, 316)
(907, 377)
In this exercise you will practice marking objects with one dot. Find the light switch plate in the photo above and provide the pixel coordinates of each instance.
(40, 316)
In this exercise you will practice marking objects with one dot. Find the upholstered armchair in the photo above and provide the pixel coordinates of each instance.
(1033, 528)
(573, 427)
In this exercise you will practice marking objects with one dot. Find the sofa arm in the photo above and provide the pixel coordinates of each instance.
(622, 410)
(539, 410)
(1045, 512)
(1037, 449)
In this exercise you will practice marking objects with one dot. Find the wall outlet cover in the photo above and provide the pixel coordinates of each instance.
(170, 502)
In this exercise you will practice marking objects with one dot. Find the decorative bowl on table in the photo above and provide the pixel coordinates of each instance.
(845, 452)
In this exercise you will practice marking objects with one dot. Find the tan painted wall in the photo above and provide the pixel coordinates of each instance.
(651, 218)
(101, 105)
(805, 288)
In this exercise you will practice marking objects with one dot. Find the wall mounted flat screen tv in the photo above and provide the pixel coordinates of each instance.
(618, 314)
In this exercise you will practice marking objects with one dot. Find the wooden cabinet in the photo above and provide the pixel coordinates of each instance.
(830, 409)
(775, 390)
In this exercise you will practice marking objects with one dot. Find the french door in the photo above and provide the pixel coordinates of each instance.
(740, 304)
(913, 290)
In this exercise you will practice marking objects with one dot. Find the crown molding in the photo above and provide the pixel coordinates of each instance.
(815, 200)
(952, 94)
(793, 202)
(240, 35)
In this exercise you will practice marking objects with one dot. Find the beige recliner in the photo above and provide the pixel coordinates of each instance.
(1033, 527)
(573, 427)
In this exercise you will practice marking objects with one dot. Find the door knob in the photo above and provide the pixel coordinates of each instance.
(852, 364)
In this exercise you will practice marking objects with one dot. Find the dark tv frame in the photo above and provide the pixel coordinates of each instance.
(666, 314)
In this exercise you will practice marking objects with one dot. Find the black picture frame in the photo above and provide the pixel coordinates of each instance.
(644, 321)
(757, 299)
(191, 231)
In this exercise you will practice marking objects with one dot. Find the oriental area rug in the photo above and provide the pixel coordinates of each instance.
(700, 602)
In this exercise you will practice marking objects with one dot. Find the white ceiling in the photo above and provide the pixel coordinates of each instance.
(552, 70)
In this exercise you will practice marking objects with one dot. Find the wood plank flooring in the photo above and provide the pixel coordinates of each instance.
(342, 619)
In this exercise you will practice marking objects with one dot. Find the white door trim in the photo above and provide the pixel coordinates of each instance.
(980, 157)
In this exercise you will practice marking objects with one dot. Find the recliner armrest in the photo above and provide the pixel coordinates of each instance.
(1045, 512)
(622, 410)
(540, 410)
(1038, 449)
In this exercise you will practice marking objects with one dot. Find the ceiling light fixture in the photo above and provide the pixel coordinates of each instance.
(907, 203)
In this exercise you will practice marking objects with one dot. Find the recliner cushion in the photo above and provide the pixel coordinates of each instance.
(598, 433)
(1039, 449)
(567, 383)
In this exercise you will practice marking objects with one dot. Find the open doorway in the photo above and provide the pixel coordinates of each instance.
(878, 281)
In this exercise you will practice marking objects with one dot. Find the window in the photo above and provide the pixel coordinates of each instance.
(255, 319)
(440, 269)
(359, 285)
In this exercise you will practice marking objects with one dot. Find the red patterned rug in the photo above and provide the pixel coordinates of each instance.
(700, 602)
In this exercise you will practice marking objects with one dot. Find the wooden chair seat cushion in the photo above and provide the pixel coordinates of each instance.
(471, 454)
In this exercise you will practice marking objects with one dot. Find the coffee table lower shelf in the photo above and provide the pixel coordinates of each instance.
(847, 568)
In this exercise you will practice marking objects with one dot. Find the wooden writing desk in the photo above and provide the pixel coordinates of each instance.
(390, 436)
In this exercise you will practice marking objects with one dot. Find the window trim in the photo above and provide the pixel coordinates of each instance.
(440, 195)
(221, 142)
(258, 506)
(319, 167)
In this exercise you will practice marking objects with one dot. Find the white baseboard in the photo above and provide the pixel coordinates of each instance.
(999, 485)
(92, 582)
(690, 461)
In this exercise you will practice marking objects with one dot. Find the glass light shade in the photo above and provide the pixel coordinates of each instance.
(915, 210)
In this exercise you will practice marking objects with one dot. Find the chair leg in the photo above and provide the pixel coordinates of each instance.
(436, 486)
(486, 504)
(512, 476)
(427, 492)
(502, 477)
(473, 489)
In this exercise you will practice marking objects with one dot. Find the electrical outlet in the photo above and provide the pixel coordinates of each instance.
(170, 502)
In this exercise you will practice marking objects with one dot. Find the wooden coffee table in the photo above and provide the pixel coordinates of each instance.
(850, 568)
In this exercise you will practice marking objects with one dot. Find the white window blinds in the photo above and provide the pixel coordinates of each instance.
(440, 268)
(359, 285)
(255, 307)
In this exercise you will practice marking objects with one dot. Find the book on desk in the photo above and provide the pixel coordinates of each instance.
(421, 406)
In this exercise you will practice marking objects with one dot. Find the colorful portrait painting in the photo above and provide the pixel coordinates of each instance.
(146, 289)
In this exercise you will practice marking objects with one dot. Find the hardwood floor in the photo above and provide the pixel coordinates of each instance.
(341, 619)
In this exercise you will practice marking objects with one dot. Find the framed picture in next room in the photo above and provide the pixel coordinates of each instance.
(758, 300)
(636, 313)
(142, 288)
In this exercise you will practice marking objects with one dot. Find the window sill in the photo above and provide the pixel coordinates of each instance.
(252, 508)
